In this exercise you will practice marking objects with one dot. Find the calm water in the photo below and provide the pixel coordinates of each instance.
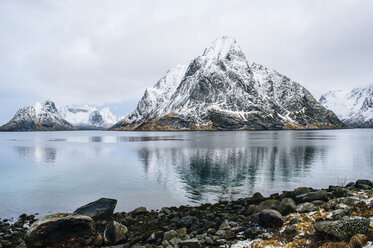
(49, 172)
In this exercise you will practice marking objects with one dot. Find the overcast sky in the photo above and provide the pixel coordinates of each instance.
(108, 52)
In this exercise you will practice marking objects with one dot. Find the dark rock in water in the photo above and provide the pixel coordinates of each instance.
(270, 218)
(61, 230)
(115, 233)
(343, 229)
(312, 196)
(191, 243)
(287, 206)
(97, 210)
(364, 184)
(306, 207)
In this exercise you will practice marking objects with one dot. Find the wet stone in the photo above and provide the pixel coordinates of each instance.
(97, 210)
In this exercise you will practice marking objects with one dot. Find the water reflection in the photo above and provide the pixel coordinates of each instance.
(226, 173)
(39, 154)
(146, 138)
(95, 139)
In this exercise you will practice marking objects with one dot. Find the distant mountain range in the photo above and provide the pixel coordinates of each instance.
(354, 107)
(220, 90)
(86, 117)
(46, 116)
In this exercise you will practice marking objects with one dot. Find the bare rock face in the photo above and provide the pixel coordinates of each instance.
(220, 90)
(61, 230)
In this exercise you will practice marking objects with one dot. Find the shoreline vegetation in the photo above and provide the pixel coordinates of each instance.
(338, 216)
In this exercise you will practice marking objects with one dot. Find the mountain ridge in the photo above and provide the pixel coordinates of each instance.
(354, 107)
(45, 116)
(219, 90)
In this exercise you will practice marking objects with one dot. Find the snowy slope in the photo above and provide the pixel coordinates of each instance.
(46, 116)
(220, 90)
(86, 117)
(40, 117)
(354, 107)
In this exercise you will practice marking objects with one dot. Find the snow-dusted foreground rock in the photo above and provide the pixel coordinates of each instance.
(45, 116)
(355, 107)
(220, 90)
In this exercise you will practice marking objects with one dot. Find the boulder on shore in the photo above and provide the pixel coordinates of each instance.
(270, 218)
(312, 196)
(115, 233)
(98, 210)
(344, 228)
(61, 230)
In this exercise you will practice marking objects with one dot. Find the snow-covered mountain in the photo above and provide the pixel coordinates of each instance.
(354, 107)
(220, 90)
(86, 117)
(46, 116)
(40, 117)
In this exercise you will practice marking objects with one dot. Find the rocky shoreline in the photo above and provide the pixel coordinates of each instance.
(339, 216)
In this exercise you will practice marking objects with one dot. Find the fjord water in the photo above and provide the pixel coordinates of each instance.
(48, 172)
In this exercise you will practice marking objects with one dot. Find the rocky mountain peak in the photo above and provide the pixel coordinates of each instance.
(219, 90)
(221, 48)
(46, 106)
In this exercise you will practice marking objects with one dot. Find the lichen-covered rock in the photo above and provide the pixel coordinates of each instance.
(98, 210)
(115, 233)
(270, 218)
(61, 230)
(344, 228)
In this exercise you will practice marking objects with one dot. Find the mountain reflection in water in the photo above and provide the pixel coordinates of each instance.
(156, 169)
(227, 172)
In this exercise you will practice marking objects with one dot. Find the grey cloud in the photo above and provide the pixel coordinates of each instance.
(100, 52)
